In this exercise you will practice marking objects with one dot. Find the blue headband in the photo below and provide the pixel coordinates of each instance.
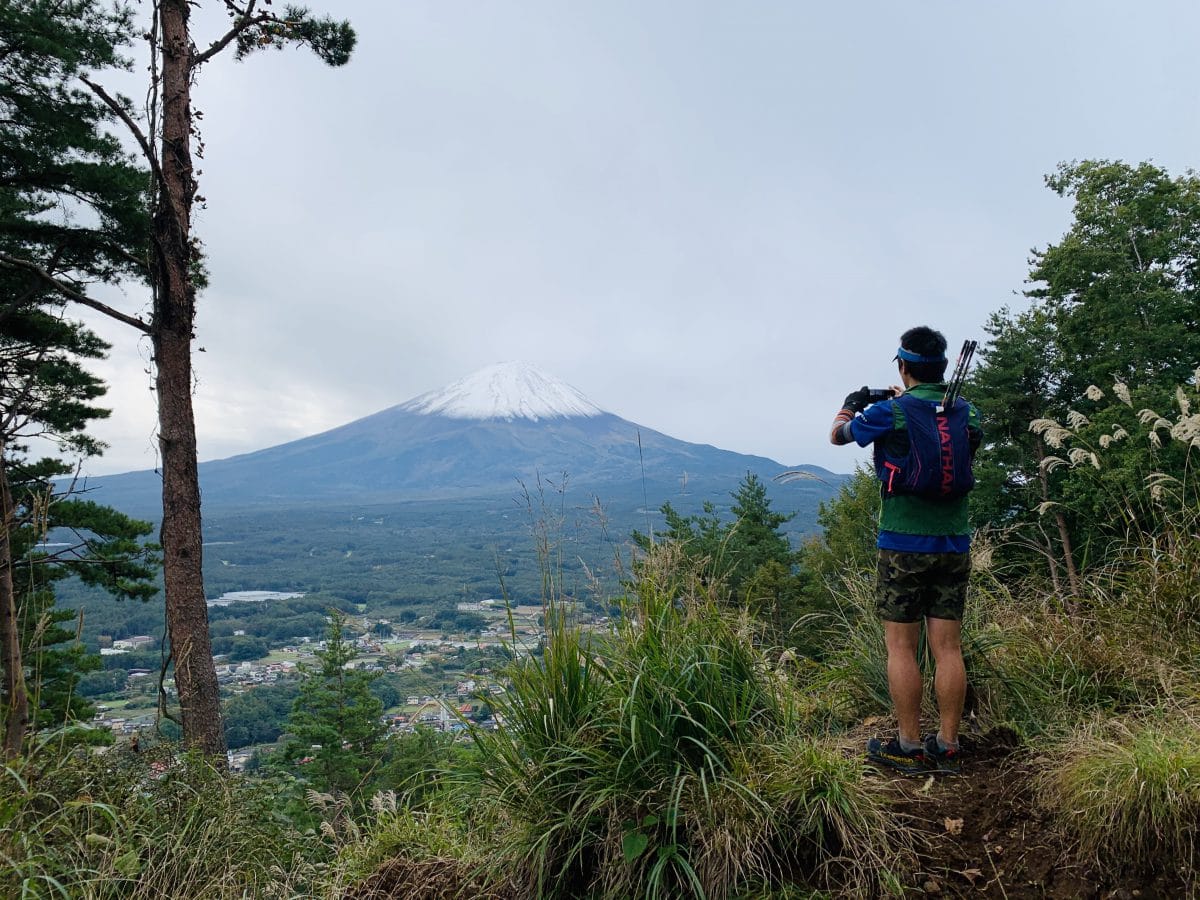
(909, 356)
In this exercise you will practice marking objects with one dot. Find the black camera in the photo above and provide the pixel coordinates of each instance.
(875, 395)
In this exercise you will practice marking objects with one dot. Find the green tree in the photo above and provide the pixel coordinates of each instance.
(419, 763)
(845, 548)
(174, 271)
(1122, 287)
(167, 253)
(842, 553)
(1117, 298)
(244, 647)
(96, 684)
(754, 536)
(72, 214)
(73, 207)
(382, 629)
(1019, 380)
(746, 556)
(260, 715)
(108, 552)
(48, 394)
(335, 724)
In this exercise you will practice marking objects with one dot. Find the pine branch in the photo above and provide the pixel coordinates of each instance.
(139, 136)
(71, 294)
(130, 258)
(245, 20)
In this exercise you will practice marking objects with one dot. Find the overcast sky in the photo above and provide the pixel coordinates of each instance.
(713, 219)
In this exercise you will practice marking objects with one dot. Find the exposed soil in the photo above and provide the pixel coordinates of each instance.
(987, 838)
(428, 879)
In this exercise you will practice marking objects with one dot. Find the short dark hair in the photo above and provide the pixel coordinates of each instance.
(924, 341)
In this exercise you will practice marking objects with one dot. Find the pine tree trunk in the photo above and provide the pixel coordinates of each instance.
(174, 314)
(15, 699)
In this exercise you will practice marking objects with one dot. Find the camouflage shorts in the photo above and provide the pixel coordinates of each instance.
(911, 586)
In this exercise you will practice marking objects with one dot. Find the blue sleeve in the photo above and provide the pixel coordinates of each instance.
(873, 423)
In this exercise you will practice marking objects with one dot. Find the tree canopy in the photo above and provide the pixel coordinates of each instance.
(1117, 299)
(60, 161)
(73, 213)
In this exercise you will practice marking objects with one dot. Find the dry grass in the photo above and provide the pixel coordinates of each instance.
(147, 826)
(1130, 792)
(433, 878)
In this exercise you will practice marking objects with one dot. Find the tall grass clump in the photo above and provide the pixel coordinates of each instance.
(1130, 792)
(1134, 474)
(1131, 475)
(1125, 779)
(1029, 667)
(1130, 482)
(1152, 586)
(410, 848)
(1042, 671)
(664, 758)
(1049, 672)
(543, 763)
(148, 825)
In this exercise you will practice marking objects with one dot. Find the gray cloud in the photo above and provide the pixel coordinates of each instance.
(712, 219)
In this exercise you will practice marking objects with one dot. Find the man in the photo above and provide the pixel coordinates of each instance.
(923, 457)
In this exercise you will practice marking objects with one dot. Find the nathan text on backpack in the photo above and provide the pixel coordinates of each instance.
(938, 462)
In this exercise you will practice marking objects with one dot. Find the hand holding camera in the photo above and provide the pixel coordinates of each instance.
(859, 400)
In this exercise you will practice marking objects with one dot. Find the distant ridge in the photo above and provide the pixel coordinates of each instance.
(477, 437)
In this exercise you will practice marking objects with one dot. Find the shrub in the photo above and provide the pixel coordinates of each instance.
(667, 759)
(1130, 792)
(153, 824)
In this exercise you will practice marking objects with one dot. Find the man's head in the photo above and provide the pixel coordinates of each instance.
(922, 355)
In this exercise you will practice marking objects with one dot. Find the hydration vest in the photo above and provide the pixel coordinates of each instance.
(937, 464)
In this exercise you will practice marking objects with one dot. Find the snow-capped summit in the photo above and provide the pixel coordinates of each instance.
(505, 391)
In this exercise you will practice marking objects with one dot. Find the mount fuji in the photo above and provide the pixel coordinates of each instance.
(476, 437)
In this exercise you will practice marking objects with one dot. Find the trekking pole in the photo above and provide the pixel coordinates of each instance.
(960, 371)
(960, 374)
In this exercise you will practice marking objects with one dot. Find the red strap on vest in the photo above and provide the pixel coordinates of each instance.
(892, 470)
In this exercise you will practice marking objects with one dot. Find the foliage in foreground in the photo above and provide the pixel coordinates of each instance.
(667, 760)
(1130, 792)
(335, 726)
(146, 825)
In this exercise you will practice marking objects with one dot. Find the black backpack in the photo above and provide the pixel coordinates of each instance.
(937, 464)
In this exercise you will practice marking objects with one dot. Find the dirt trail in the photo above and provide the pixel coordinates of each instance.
(987, 838)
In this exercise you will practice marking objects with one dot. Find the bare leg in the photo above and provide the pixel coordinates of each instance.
(950, 679)
(904, 677)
